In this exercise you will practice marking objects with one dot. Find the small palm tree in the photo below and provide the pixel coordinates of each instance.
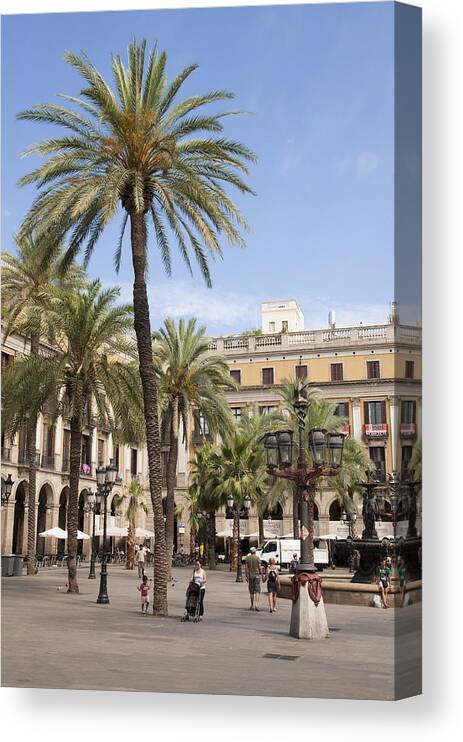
(355, 467)
(85, 372)
(188, 376)
(134, 147)
(134, 499)
(26, 283)
(240, 470)
(195, 520)
(204, 469)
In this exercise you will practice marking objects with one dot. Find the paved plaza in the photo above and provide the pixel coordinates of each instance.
(54, 640)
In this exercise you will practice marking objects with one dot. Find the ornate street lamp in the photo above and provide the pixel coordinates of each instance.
(326, 450)
(7, 488)
(239, 511)
(93, 505)
(105, 478)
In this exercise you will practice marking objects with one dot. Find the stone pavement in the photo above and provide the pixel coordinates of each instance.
(54, 640)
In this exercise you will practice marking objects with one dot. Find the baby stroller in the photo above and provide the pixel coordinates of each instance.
(193, 602)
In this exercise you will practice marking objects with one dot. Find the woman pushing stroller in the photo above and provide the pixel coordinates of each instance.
(196, 590)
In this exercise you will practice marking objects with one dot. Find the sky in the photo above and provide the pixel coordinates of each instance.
(319, 81)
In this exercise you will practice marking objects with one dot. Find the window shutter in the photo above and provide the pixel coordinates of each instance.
(383, 411)
(366, 413)
(414, 411)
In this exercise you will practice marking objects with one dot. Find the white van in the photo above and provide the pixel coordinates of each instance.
(282, 550)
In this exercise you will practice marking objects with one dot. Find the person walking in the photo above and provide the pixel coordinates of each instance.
(200, 578)
(402, 575)
(293, 564)
(384, 581)
(272, 578)
(140, 557)
(253, 574)
(144, 589)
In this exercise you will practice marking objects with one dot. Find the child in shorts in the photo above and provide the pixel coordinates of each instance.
(144, 589)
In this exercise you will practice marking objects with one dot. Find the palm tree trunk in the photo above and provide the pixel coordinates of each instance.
(211, 539)
(131, 542)
(171, 477)
(192, 540)
(73, 502)
(148, 380)
(261, 528)
(32, 484)
(295, 512)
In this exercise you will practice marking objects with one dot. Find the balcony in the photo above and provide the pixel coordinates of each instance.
(376, 430)
(48, 462)
(407, 430)
(346, 428)
(86, 470)
(6, 454)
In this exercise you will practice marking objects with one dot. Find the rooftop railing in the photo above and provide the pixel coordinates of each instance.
(338, 337)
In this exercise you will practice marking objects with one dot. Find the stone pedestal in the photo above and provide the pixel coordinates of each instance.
(308, 621)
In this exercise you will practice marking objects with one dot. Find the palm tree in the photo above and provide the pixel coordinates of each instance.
(188, 376)
(355, 466)
(135, 503)
(26, 282)
(240, 469)
(204, 482)
(165, 162)
(192, 497)
(85, 373)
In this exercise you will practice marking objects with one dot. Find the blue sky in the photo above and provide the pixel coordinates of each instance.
(319, 81)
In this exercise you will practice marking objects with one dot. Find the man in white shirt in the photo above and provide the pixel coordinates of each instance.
(140, 557)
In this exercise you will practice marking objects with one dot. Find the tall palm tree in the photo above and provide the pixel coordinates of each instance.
(134, 499)
(166, 164)
(26, 282)
(85, 373)
(192, 497)
(188, 376)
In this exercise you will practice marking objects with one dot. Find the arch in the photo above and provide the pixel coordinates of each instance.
(316, 513)
(276, 513)
(335, 510)
(43, 508)
(19, 516)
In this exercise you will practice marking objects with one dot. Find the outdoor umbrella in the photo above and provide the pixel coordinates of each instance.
(62, 534)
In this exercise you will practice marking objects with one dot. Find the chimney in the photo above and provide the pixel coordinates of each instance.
(394, 315)
(332, 318)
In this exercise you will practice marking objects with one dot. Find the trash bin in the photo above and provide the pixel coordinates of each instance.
(7, 565)
(18, 566)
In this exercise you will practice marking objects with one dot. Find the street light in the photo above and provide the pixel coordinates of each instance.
(93, 505)
(239, 512)
(6, 491)
(105, 478)
(326, 450)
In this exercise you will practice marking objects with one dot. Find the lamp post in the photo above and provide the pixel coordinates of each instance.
(326, 452)
(93, 506)
(6, 491)
(239, 512)
(349, 520)
(105, 478)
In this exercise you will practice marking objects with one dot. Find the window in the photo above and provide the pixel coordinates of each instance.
(236, 412)
(85, 453)
(267, 376)
(116, 456)
(409, 369)
(408, 413)
(100, 451)
(269, 547)
(378, 456)
(301, 372)
(133, 462)
(236, 375)
(6, 358)
(406, 458)
(342, 409)
(271, 326)
(284, 326)
(265, 409)
(203, 424)
(337, 372)
(373, 370)
(375, 413)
